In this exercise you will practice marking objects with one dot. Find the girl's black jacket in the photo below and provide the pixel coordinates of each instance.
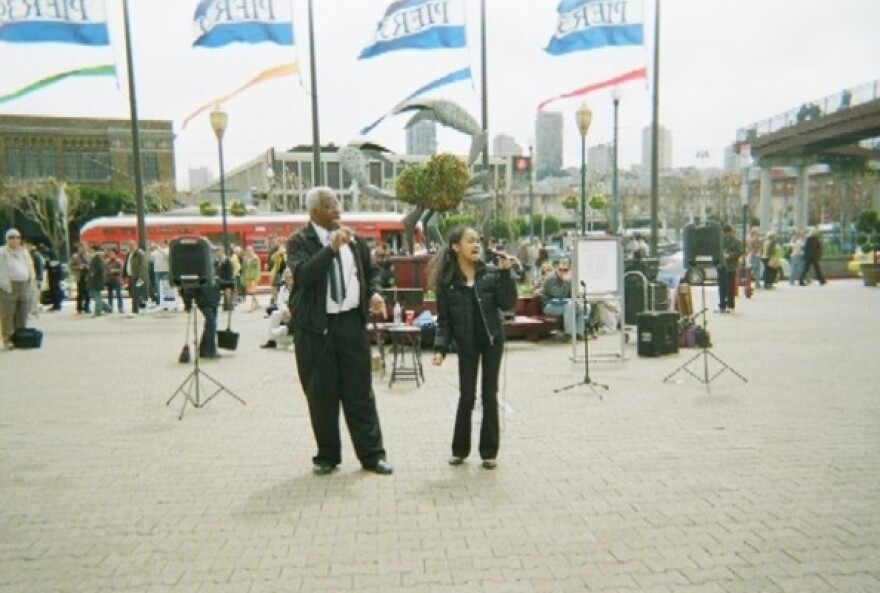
(496, 293)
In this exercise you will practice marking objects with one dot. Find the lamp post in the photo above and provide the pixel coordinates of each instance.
(702, 155)
(531, 198)
(615, 191)
(584, 117)
(219, 119)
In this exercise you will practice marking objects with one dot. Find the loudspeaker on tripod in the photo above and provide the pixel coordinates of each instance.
(702, 243)
(190, 261)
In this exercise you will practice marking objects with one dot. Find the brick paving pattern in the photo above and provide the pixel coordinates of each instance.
(768, 486)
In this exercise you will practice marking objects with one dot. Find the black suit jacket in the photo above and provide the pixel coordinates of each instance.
(310, 263)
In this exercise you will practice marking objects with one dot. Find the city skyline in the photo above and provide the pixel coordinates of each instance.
(724, 65)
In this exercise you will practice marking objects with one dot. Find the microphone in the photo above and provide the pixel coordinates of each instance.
(495, 254)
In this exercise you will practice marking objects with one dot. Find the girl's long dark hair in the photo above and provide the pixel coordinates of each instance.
(444, 267)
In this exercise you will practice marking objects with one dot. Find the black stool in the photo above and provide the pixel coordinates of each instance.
(406, 341)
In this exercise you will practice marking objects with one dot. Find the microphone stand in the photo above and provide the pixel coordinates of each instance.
(587, 380)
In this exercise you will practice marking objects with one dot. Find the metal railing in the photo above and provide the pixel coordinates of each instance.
(843, 99)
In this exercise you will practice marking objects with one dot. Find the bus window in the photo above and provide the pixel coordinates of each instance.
(260, 244)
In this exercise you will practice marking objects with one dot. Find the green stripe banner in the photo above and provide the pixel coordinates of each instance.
(101, 70)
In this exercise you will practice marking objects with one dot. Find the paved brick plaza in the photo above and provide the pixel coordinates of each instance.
(768, 486)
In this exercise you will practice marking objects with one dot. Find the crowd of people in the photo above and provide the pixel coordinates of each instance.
(325, 285)
(765, 254)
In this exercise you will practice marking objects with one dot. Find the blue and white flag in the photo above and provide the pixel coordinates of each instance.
(454, 76)
(220, 22)
(591, 24)
(82, 22)
(419, 24)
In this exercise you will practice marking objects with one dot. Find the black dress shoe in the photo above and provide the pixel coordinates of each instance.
(323, 469)
(381, 467)
(269, 344)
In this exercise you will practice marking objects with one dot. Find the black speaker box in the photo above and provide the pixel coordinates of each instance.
(702, 244)
(190, 261)
(657, 333)
(635, 297)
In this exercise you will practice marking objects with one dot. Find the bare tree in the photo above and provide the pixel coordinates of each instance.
(43, 201)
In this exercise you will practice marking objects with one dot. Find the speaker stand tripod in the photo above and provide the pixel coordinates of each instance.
(587, 380)
(191, 388)
(705, 352)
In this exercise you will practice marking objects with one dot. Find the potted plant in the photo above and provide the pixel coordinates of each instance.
(868, 238)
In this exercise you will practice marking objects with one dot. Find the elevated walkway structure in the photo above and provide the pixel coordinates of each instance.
(840, 130)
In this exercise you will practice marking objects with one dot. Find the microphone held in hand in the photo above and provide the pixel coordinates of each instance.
(494, 256)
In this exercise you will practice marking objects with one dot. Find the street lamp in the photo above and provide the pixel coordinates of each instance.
(615, 191)
(219, 120)
(584, 117)
(531, 198)
(702, 155)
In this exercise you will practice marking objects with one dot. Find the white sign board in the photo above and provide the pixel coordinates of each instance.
(598, 266)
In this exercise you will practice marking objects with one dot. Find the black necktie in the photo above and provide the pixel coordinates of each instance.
(337, 286)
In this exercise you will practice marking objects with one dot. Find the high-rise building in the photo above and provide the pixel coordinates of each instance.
(664, 147)
(599, 159)
(504, 146)
(421, 139)
(199, 176)
(548, 143)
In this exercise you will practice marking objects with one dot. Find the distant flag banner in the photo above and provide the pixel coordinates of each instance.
(102, 70)
(463, 74)
(277, 72)
(419, 24)
(590, 24)
(220, 22)
(611, 82)
(81, 22)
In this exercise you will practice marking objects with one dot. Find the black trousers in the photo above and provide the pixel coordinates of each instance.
(468, 366)
(334, 369)
(83, 298)
(726, 288)
(814, 264)
(208, 342)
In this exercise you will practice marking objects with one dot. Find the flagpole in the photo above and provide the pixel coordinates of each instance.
(655, 144)
(135, 133)
(317, 177)
(485, 106)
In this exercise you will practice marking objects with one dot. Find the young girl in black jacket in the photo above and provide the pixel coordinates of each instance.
(471, 297)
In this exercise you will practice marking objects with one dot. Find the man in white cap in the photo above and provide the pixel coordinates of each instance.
(17, 286)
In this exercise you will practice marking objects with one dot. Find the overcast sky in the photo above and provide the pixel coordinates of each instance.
(724, 64)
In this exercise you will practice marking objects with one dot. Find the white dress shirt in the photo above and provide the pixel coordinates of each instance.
(350, 282)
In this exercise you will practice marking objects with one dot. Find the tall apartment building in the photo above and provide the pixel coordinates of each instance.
(199, 176)
(421, 139)
(599, 159)
(504, 146)
(664, 146)
(548, 143)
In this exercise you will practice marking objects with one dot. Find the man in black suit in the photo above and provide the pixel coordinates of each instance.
(336, 286)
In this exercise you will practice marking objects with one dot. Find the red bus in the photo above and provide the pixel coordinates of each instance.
(254, 229)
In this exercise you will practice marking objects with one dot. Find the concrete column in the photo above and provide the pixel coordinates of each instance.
(801, 198)
(765, 206)
(877, 194)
